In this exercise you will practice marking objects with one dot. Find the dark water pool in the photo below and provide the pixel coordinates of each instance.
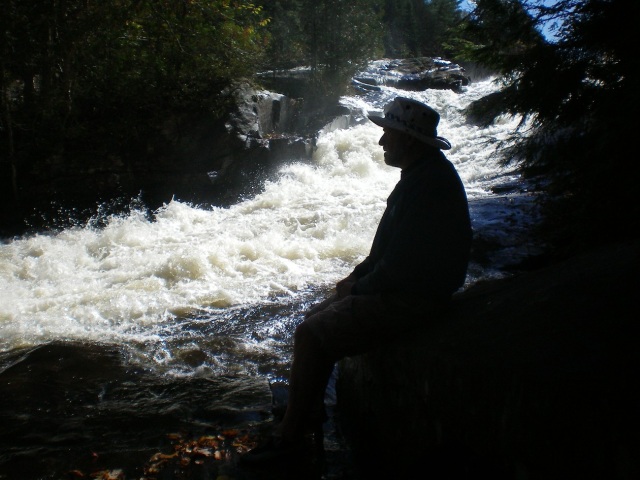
(78, 411)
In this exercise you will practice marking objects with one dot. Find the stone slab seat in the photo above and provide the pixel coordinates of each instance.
(529, 377)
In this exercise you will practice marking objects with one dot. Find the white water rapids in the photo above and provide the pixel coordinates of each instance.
(171, 284)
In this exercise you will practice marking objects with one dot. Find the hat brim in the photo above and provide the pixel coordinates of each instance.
(438, 142)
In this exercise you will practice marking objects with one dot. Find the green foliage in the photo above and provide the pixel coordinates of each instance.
(442, 20)
(578, 92)
(342, 33)
(332, 37)
(286, 46)
(97, 78)
(416, 28)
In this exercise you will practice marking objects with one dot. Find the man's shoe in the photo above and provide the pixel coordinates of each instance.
(315, 425)
(273, 450)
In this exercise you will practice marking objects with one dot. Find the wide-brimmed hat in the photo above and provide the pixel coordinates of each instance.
(413, 118)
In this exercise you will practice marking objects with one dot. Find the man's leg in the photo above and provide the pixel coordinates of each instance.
(310, 373)
(309, 376)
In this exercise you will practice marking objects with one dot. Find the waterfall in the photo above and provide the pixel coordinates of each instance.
(190, 276)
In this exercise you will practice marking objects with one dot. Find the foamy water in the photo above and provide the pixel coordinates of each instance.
(135, 281)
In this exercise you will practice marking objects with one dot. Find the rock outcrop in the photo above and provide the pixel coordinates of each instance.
(529, 377)
(419, 73)
(413, 74)
(211, 159)
(259, 133)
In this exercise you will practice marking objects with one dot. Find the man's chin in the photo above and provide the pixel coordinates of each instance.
(390, 160)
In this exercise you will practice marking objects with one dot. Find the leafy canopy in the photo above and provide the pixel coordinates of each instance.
(576, 93)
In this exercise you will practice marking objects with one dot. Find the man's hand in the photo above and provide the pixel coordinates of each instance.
(343, 287)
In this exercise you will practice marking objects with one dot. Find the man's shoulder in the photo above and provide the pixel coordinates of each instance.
(438, 166)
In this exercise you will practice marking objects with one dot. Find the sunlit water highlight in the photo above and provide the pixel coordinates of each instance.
(205, 291)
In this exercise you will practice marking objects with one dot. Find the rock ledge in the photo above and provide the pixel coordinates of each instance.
(529, 377)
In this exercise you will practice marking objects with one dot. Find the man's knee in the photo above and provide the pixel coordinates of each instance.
(320, 306)
(304, 333)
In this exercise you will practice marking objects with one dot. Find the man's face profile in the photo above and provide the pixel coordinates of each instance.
(396, 147)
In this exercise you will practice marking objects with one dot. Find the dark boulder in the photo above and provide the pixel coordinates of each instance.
(532, 376)
(419, 74)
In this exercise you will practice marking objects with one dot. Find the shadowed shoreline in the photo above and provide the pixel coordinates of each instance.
(529, 375)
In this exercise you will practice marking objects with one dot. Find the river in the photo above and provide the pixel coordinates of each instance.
(127, 340)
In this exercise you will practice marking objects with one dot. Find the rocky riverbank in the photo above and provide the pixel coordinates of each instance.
(531, 376)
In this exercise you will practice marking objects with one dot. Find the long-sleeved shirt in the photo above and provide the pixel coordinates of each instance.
(423, 241)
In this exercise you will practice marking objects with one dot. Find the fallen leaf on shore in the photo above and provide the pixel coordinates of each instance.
(209, 441)
(108, 475)
(162, 456)
(218, 447)
(205, 452)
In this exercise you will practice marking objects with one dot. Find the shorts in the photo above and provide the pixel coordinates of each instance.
(357, 324)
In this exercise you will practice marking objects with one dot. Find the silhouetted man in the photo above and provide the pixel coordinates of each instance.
(418, 259)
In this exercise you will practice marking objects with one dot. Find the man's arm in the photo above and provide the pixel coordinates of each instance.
(344, 286)
(429, 241)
